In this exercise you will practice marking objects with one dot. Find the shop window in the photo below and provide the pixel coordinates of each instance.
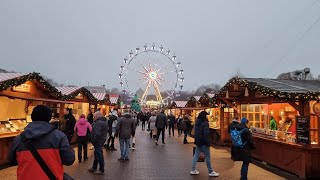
(253, 113)
(314, 129)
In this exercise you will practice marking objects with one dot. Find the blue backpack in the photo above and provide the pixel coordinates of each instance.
(236, 138)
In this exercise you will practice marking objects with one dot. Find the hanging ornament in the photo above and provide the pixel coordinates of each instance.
(246, 92)
(227, 94)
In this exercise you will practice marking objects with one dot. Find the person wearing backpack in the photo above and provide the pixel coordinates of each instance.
(243, 143)
(202, 142)
(41, 151)
(233, 126)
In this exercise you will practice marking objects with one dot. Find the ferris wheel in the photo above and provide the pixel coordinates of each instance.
(151, 71)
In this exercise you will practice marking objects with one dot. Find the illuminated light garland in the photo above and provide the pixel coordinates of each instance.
(253, 86)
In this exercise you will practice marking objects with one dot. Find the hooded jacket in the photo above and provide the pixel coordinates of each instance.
(82, 127)
(100, 130)
(112, 123)
(244, 154)
(51, 144)
(126, 127)
(202, 133)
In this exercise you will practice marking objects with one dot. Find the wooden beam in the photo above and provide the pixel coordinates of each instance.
(295, 105)
(229, 104)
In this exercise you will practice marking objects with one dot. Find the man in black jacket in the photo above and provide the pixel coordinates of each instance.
(99, 136)
(161, 124)
(172, 122)
(202, 142)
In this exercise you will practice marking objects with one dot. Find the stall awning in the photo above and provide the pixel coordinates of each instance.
(100, 96)
(67, 90)
(197, 98)
(181, 104)
(114, 99)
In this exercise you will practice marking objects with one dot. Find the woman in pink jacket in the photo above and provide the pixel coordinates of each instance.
(82, 127)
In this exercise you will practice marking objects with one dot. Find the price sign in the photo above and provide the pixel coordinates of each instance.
(303, 130)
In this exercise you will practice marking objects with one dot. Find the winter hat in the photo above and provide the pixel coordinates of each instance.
(203, 115)
(244, 120)
(41, 113)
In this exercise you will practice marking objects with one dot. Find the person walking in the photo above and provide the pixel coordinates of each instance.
(186, 127)
(143, 120)
(172, 122)
(125, 129)
(202, 142)
(242, 151)
(179, 123)
(152, 122)
(161, 125)
(99, 136)
(40, 137)
(113, 121)
(231, 127)
(82, 128)
(69, 123)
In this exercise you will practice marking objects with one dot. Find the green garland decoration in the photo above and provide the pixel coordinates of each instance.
(253, 86)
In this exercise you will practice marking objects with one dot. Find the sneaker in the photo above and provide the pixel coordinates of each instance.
(126, 159)
(121, 159)
(214, 174)
(92, 170)
(195, 172)
(156, 142)
(99, 172)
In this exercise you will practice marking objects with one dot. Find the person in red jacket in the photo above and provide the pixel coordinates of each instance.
(51, 144)
(82, 127)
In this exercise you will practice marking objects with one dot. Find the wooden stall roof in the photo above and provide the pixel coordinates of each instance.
(178, 104)
(71, 92)
(8, 80)
(293, 90)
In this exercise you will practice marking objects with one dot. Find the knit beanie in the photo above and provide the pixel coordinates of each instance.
(41, 113)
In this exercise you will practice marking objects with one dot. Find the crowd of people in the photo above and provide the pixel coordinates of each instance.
(49, 140)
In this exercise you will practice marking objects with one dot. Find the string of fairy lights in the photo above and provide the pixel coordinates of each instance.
(216, 101)
(36, 77)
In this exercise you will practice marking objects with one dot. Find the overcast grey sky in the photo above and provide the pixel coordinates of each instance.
(75, 41)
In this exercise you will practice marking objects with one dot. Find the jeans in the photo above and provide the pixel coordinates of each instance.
(124, 148)
(98, 156)
(186, 132)
(171, 127)
(244, 170)
(206, 151)
(82, 143)
(159, 130)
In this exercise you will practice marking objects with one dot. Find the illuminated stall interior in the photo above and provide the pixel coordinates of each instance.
(283, 117)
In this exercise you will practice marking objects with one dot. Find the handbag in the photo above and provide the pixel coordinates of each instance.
(201, 156)
(41, 162)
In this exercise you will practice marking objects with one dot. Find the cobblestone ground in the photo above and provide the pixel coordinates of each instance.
(148, 161)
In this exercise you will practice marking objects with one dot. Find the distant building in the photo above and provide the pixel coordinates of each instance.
(96, 89)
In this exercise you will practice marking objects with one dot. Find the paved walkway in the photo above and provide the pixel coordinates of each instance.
(148, 161)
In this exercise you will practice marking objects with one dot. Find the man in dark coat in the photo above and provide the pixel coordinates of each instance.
(126, 128)
(172, 122)
(244, 153)
(233, 126)
(161, 124)
(70, 122)
(99, 136)
(202, 142)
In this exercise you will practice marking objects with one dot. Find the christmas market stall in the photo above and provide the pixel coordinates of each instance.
(19, 94)
(176, 107)
(102, 103)
(283, 117)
